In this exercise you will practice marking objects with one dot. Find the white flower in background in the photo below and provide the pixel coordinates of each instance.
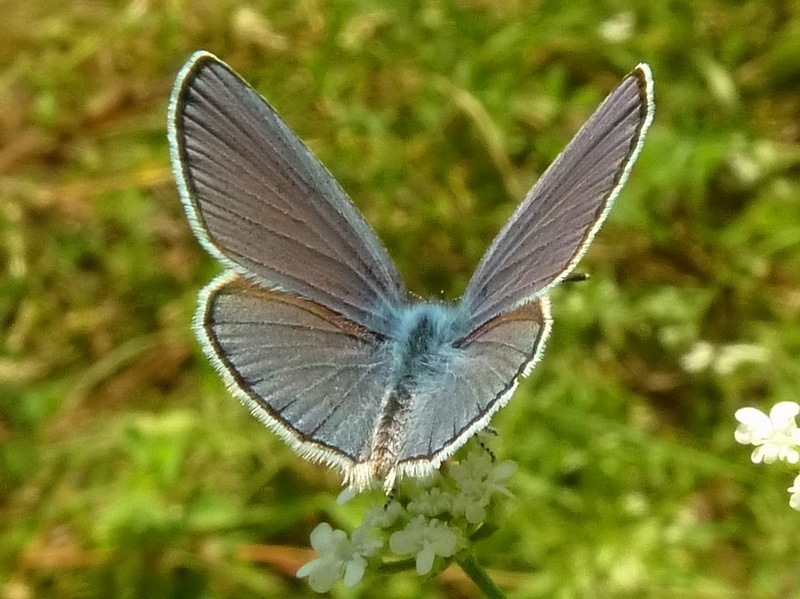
(730, 357)
(776, 436)
(698, 358)
(425, 538)
(618, 28)
(722, 359)
(336, 554)
(478, 479)
(794, 499)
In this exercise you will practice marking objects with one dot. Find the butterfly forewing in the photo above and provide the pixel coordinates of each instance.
(552, 227)
(313, 376)
(265, 206)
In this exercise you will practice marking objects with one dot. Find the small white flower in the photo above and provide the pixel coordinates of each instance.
(427, 539)
(776, 436)
(730, 357)
(382, 515)
(699, 357)
(432, 502)
(618, 28)
(375, 518)
(478, 479)
(723, 359)
(794, 499)
(364, 545)
(336, 554)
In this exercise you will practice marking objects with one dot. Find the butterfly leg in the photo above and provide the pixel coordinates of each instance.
(489, 430)
(389, 498)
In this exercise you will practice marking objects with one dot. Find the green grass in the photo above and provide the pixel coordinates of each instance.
(127, 470)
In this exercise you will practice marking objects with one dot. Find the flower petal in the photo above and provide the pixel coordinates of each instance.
(744, 435)
(403, 542)
(757, 456)
(767, 453)
(322, 573)
(789, 454)
(346, 495)
(753, 417)
(474, 512)
(444, 541)
(322, 579)
(425, 560)
(322, 537)
(504, 470)
(309, 567)
(354, 571)
(782, 415)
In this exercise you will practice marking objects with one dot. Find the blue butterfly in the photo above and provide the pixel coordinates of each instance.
(311, 326)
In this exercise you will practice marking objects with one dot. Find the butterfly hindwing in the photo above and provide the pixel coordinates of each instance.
(314, 377)
(478, 379)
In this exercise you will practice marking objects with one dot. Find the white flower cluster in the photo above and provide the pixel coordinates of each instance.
(722, 359)
(434, 521)
(776, 438)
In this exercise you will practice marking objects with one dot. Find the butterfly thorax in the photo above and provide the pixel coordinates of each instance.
(424, 342)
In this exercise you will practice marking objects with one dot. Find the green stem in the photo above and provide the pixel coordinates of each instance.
(479, 576)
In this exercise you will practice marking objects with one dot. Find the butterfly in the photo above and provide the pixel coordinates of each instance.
(310, 325)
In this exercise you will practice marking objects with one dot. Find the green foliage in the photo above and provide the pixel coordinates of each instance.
(127, 470)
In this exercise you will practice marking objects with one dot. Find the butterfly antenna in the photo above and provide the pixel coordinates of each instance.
(576, 277)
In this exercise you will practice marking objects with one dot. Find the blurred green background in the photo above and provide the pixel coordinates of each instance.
(127, 470)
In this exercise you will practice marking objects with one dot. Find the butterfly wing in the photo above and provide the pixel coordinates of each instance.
(315, 378)
(552, 227)
(477, 379)
(262, 204)
(506, 299)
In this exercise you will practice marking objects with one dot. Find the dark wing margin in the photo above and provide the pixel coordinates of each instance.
(313, 377)
(552, 228)
(262, 204)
